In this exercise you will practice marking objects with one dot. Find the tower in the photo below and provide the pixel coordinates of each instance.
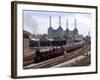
(59, 21)
(75, 31)
(50, 29)
(67, 25)
(88, 33)
(50, 23)
(67, 31)
(59, 30)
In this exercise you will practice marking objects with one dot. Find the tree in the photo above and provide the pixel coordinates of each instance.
(44, 37)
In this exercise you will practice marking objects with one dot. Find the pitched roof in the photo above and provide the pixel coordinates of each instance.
(26, 34)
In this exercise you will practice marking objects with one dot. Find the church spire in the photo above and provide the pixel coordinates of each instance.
(59, 21)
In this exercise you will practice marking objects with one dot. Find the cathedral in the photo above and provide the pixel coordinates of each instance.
(59, 32)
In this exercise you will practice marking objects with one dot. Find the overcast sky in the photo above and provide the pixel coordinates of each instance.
(37, 22)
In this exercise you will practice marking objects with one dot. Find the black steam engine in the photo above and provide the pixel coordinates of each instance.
(44, 54)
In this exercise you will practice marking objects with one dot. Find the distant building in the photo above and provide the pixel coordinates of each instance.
(50, 31)
(78, 37)
(75, 31)
(67, 34)
(58, 32)
(26, 35)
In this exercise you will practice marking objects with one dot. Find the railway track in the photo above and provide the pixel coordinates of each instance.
(78, 61)
(84, 62)
(57, 60)
(29, 59)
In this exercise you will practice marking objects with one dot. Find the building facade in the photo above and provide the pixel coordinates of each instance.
(55, 33)
(26, 39)
(67, 34)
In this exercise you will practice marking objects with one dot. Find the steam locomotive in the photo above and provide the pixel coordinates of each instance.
(44, 54)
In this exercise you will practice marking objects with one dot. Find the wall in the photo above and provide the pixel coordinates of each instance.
(5, 40)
